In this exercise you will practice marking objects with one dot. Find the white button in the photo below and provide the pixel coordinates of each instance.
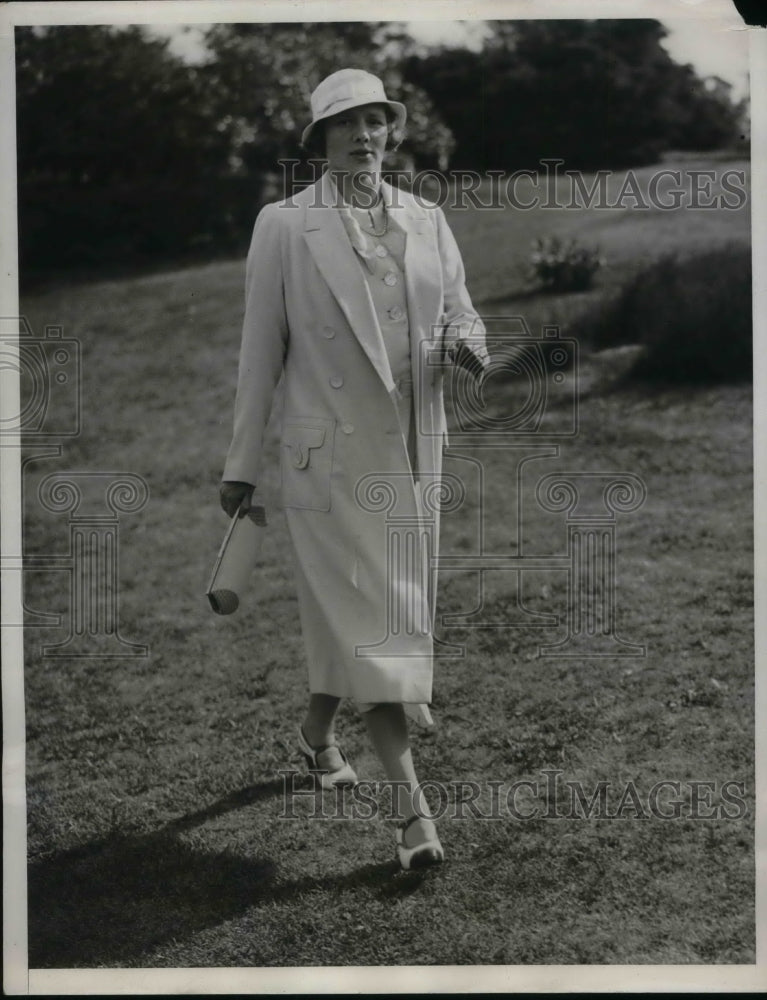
(390, 278)
(381, 250)
(336, 381)
(396, 312)
(329, 332)
(347, 428)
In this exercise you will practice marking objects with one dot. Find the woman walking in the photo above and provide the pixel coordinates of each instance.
(351, 288)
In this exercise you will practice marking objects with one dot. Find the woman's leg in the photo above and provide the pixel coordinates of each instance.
(319, 725)
(387, 727)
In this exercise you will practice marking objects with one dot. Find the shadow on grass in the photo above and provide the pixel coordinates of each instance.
(107, 902)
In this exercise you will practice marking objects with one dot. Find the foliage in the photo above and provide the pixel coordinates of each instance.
(564, 265)
(599, 93)
(263, 75)
(97, 104)
(693, 314)
(118, 154)
(127, 155)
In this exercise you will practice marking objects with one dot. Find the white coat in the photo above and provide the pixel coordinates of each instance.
(309, 315)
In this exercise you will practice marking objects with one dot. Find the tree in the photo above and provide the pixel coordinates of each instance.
(707, 115)
(263, 76)
(595, 93)
(117, 148)
(97, 104)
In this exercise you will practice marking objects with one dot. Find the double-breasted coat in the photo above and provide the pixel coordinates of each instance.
(363, 522)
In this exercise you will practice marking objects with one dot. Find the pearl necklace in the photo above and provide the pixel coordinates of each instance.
(385, 229)
(372, 230)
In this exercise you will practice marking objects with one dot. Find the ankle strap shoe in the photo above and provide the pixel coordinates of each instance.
(423, 855)
(329, 763)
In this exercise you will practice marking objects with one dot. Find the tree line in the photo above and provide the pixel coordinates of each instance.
(128, 154)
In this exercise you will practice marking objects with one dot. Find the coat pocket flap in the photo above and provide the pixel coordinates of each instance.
(301, 440)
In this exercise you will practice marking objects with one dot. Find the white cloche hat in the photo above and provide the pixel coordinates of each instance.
(345, 89)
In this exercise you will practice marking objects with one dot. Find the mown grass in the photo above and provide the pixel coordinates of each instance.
(496, 245)
(154, 791)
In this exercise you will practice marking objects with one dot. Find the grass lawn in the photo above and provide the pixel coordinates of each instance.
(154, 793)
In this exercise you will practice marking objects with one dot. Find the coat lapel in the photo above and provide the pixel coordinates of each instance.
(337, 262)
(423, 277)
(423, 282)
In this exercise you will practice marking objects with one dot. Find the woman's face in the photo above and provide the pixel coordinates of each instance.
(355, 140)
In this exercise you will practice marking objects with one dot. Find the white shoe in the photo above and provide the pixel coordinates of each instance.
(423, 855)
(329, 762)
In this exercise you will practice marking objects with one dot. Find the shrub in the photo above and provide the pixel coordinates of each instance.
(693, 315)
(98, 228)
(564, 267)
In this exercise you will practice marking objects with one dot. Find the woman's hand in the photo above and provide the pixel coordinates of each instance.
(461, 354)
(236, 497)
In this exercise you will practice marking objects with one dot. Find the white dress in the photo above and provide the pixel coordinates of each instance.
(382, 260)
